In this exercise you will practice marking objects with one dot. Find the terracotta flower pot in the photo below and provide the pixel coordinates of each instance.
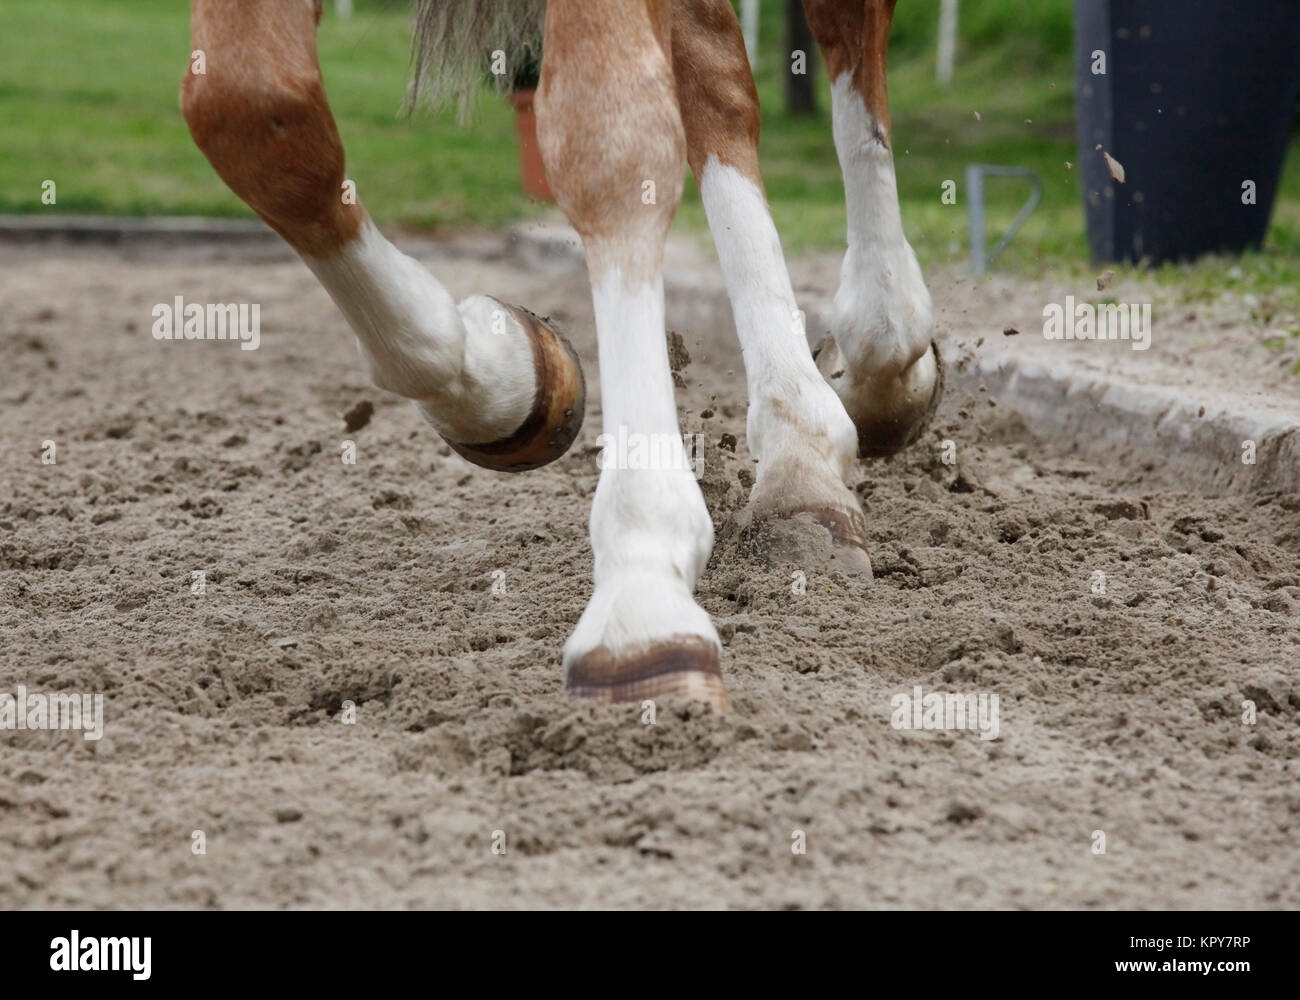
(530, 155)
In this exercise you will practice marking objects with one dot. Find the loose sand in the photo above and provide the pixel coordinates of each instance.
(1121, 711)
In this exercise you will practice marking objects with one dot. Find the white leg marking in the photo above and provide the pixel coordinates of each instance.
(469, 368)
(650, 530)
(882, 313)
(792, 409)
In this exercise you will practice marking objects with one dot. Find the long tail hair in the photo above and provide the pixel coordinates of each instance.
(453, 43)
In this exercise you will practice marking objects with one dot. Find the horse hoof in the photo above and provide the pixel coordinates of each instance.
(678, 667)
(556, 417)
(821, 535)
(848, 531)
(890, 412)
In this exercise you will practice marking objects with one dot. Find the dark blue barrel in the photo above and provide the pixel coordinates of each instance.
(1197, 99)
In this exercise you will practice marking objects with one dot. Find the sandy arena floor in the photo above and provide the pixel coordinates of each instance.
(1120, 712)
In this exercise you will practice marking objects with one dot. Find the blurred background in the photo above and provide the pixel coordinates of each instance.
(88, 94)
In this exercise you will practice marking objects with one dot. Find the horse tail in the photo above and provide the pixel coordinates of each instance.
(456, 43)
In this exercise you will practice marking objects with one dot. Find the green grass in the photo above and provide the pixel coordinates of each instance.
(89, 95)
(1014, 67)
(936, 134)
(88, 90)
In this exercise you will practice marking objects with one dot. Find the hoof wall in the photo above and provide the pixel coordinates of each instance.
(680, 667)
(889, 413)
(556, 417)
(824, 536)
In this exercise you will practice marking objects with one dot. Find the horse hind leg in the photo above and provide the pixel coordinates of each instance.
(879, 355)
(797, 427)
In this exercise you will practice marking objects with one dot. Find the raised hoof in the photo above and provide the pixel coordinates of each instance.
(683, 666)
(892, 412)
(556, 416)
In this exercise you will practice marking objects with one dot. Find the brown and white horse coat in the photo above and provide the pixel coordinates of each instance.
(631, 92)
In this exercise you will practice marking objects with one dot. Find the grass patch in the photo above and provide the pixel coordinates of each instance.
(93, 104)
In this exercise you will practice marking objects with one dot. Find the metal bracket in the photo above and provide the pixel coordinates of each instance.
(975, 174)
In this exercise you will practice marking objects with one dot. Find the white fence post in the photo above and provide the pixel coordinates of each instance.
(947, 40)
(749, 25)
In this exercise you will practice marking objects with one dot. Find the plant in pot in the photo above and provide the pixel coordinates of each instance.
(522, 87)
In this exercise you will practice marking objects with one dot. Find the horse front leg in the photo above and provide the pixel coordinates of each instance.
(501, 386)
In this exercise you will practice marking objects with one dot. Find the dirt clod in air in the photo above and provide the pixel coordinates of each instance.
(359, 415)
(678, 358)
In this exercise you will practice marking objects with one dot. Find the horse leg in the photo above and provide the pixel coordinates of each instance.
(879, 355)
(502, 387)
(611, 138)
(797, 427)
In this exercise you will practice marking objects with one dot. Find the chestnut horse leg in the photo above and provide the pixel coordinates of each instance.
(615, 153)
(879, 355)
(499, 384)
(797, 428)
